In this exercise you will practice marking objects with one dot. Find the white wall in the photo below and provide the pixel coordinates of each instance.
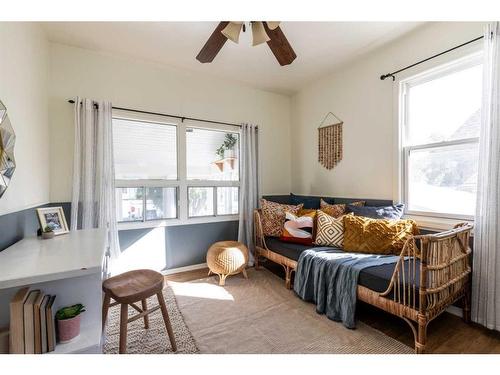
(142, 85)
(366, 105)
(23, 90)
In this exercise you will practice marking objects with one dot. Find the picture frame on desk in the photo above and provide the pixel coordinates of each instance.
(53, 217)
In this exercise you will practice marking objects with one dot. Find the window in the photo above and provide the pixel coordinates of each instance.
(144, 150)
(212, 159)
(155, 180)
(440, 117)
(212, 155)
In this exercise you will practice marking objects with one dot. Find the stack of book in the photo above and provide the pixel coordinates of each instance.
(32, 328)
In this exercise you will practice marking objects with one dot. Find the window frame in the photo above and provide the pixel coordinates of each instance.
(182, 184)
(432, 219)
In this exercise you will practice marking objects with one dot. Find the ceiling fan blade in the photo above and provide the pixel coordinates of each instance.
(213, 44)
(279, 45)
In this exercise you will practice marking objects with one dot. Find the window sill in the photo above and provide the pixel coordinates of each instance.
(175, 222)
(436, 223)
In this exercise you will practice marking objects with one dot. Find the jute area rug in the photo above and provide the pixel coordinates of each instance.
(260, 315)
(155, 339)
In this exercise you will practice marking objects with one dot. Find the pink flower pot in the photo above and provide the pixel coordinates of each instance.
(68, 329)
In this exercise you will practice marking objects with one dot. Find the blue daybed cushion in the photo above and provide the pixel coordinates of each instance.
(308, 202)
(388, 212)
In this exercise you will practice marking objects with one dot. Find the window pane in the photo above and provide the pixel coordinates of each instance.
(443, 179)
(129, 204)
(445, 108)
(144, 150)
(201, 201)
(212, 155)
(227, 200)
(161, 203)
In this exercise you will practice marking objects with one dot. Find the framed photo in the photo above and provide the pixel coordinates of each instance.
(54, 218)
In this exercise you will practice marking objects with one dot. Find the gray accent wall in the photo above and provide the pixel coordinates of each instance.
(183, 245)
(17, 225)
(179, 245)
(170, 247)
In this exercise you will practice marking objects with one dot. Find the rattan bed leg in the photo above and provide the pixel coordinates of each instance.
(288, 277)
(466, 306)
(256, 260)
(422, 335)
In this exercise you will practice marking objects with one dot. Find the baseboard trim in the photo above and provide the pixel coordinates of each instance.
(172, 271)
(455, 311)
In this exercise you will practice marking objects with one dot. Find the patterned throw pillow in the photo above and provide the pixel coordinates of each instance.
(329, 231)
(337, 210)
(298, 229)
(273, 216)
(376, 236)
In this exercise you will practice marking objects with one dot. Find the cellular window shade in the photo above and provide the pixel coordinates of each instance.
(144, 150)
(201, 147)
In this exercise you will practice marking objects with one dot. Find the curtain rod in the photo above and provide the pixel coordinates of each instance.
(182, 118)
(384, 76)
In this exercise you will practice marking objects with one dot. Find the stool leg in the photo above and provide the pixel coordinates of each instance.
(105, 308)
(245, 273)
(123, 328)
(146, 317)
(222, 279)
(166, 319)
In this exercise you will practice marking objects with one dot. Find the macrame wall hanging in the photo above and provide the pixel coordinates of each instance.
(330, 142)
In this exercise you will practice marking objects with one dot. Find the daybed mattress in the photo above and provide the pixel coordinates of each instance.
(376, 278)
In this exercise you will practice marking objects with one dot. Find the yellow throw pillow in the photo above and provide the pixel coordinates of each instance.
(376, 236)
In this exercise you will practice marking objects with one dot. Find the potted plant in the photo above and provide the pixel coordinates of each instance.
(229, 143)
(48, 232)
(220, 152)
(68, 322)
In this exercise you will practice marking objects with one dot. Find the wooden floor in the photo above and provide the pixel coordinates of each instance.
(446, 334)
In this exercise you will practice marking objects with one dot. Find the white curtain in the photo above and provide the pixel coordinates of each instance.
(486, 254)
(250, 185)
(93, 200)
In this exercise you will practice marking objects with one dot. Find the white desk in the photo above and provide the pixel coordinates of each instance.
(72, 267)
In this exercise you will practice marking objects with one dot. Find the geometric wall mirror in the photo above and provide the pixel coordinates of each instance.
(7, 141)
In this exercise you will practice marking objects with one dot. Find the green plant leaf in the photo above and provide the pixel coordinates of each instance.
(69, 312)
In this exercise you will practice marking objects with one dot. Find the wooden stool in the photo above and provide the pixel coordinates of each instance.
(129, 288)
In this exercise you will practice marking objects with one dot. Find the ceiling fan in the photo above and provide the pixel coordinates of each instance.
(262, 32)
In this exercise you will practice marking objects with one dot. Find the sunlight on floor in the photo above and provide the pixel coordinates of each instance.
(201, 290)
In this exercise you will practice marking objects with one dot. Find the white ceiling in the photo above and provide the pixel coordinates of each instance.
(321, 47)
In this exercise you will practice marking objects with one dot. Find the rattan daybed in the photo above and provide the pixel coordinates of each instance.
(432, 273)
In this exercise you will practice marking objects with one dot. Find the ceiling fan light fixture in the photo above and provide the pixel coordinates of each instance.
(259, 33)
(272, 24)
(232, 31)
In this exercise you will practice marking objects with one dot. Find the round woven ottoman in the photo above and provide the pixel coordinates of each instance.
(227, 258)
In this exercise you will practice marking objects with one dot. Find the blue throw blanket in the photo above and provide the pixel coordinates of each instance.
(329, 278)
